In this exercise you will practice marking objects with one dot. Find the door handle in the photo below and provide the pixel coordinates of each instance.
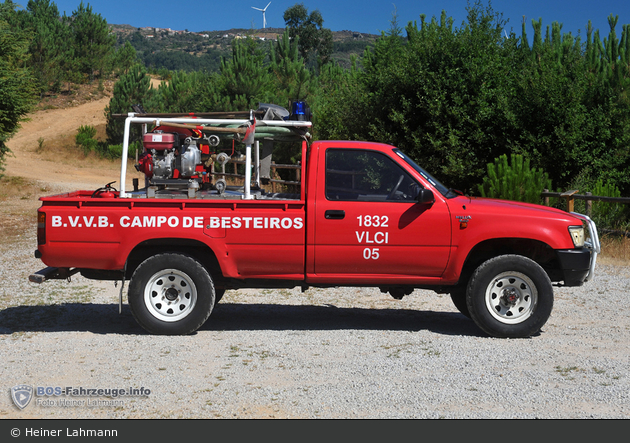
(333, 214)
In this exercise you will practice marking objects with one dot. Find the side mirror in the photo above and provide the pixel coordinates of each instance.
(425, 196)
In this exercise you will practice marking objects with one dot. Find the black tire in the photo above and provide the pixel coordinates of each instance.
(510, 296)
(218, 294)
(171, 294)
(458, 295)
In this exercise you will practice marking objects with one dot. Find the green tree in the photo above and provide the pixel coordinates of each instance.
(342, 97)
(92, 41)
(455, 98)
(315, 41)
(605, 214)
(515, 180)
(339, 103)
(184, 92)
(49, 43)
(292, 78)
(443, 96)
(572, 110)
(131, 89)
(85, 139)
(246, 79)
(125, 58)
(17, 91)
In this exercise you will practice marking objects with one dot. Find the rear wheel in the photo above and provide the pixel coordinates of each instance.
(171, 294)
(510, 296)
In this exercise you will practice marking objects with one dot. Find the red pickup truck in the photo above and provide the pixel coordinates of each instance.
(365, 215)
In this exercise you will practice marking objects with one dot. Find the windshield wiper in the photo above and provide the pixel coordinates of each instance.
(454, 191)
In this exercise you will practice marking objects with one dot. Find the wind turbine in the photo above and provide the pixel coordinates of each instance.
(263, 11)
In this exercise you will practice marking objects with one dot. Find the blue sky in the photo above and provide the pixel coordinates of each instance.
(369, 16)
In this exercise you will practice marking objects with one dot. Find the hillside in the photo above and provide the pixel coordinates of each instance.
(217, 35)
(172, 49)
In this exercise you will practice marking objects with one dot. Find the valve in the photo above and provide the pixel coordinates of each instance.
(222, 158)
(220, 185)
(214, 140)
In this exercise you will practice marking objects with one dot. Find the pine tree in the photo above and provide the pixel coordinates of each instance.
(247, 81)
(181, 93)
(92, 41)
(132, 88)
(16, 81)
(125, 58)
(48, 45)
(515, 180)
(292, 79)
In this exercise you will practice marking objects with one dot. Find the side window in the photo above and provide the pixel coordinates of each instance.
(353, 174)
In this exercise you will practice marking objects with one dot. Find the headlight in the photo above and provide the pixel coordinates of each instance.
(577, 234)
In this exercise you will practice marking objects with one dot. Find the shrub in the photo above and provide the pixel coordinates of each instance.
(85, 139)
(115, 151)
(514, 181)
(605, 214)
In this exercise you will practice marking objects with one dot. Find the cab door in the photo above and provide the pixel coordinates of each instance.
(369, 224)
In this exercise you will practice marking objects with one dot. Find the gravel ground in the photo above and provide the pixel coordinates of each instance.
(338, 353)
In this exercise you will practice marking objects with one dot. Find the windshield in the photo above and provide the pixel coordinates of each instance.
(446, 192)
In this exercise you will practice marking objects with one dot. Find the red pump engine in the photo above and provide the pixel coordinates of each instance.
(174, 154)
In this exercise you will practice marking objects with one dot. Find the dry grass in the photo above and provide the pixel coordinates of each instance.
(64, 150)
(18, 207)
(76, 94)
(615, 250)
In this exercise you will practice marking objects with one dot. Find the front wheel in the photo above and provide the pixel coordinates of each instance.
(218, 294)
(458, 296)
(171, 294)
(510, 296)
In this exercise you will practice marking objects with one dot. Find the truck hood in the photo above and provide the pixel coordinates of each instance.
(476, 219)
(509, 208)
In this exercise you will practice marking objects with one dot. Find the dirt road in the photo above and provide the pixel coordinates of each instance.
(67, 170)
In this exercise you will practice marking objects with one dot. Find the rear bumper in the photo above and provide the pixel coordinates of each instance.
(51, 273)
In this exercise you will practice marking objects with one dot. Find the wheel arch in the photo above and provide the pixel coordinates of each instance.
(194, 248)
(536, 250)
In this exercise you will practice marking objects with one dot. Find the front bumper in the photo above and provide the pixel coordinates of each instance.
(575, 265)
(578, 265)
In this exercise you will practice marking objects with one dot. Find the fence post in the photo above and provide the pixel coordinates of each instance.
(589, 205)
(570, 200)
(546, 197)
